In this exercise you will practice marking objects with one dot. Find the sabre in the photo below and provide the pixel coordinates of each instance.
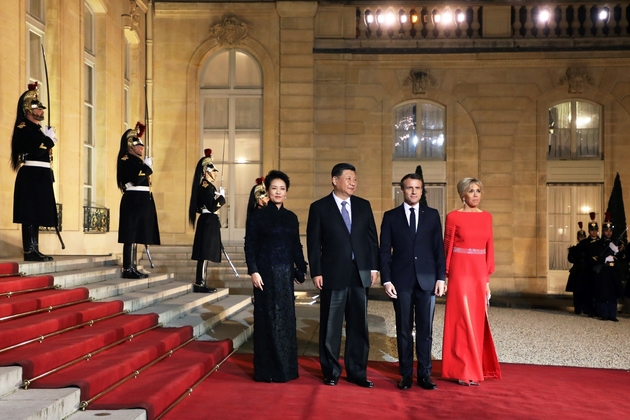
(52, 174)
(229, 260)
(146, 249)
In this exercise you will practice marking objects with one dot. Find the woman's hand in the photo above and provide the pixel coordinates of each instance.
(257, 281)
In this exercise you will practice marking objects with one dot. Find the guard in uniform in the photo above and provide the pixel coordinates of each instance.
(578, 278)
(590, 249)
(607, 280)
(205, 200)
(257, 196)
(138, 217)
(33, 197)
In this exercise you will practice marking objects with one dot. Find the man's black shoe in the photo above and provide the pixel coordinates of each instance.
(129, 273)
(426, 383)
(140, 274)
(365, 383)
(405, 382)
(36, 256)
(203, 288)
(331, 381)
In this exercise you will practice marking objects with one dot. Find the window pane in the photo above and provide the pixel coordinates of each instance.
(587, 129)
(215, 140)
(88, 93)
(35, 57)
(88, 30)
(432, 135)
(405, 138)
(560, 131)
(87, 196)
(216, 72)
(36, 9)
(247, 147)
(215, 113)
(127, 58)
(247, 71)
(247, 112)
(87, 167)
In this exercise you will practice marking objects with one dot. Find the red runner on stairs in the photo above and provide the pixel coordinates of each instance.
(9, 268)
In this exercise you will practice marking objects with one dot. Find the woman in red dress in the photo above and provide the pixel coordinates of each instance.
(468, 353)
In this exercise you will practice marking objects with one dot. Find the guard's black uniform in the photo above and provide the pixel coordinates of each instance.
(606, 282)
(138, 216)
(33, 196)
(579, 279)
(207, 244)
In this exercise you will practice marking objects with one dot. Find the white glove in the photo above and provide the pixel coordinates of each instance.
(609, 259)
(614, 247)
(50, 132)
(220, 193)
(148, 161)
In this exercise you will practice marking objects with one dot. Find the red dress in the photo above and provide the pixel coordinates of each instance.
(468, 350)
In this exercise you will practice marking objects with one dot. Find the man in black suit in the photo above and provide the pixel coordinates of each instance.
(413, 269)
(343, 256)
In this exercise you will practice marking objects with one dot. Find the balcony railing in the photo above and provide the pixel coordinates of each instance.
(571, 20)
(95, 219)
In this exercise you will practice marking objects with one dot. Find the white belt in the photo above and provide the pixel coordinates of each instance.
(468, 250)
(37, 163)
(141, 188)
(206, 211)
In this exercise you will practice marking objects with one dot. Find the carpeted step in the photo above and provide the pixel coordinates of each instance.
(19, 283)
(159, 386)
(9, 267)
(110, 366)
(26, 328)
(36, 300)
(134, 414)
(38, 358)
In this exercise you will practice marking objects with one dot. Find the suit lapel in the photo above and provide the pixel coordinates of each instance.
(336, 214)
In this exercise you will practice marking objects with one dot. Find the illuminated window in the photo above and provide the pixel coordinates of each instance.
(574, 130)
(419, 131)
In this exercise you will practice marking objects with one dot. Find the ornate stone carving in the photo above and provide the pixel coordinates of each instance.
(419, 81)
(230, 31)
(576, 77)
(133, 12)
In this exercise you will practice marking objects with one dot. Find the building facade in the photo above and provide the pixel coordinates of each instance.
(532, 98)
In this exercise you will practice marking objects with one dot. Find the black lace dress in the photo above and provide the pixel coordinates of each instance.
(273, 248)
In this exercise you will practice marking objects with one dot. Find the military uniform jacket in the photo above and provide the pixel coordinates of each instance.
(33, 196)
(138, 216)
(207, 244)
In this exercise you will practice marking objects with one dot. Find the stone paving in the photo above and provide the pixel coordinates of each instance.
(522, 335)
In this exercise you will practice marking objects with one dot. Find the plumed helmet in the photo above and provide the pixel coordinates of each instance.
(608, 224)
(134, 135)
(260, 192)
(30, 99)
(580, 233)
(592, 225)
(206, 162)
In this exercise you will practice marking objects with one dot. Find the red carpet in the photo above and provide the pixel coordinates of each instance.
(525, 392)
(9, 268)
(160, 382)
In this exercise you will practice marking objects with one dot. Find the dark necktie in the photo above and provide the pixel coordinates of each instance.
(412, 221)
(346, 215)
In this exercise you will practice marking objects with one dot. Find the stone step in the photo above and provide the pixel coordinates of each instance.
(238, 328)
(81, 277)
(136, 414)
(212, 315)
(115, 287)
(183, 249)
(65, 263)
(139, 299)
(42, 404)
(10, 379)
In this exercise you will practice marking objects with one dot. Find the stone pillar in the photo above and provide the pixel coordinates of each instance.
(296, 102)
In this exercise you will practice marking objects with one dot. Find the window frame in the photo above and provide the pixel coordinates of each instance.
(574, 131)
(418, 118)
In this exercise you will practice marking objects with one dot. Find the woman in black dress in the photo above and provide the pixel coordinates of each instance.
(206, 200)
(274, 260)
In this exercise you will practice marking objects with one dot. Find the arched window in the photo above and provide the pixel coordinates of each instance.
(231, 124)
(419, 131)
(574, 130)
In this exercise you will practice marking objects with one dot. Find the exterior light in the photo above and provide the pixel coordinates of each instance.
(544, 16)
(603, 15)
(390, 18)
(369, 17)
(461, 17)
(447, 17)
(414, 16)
(380, 18)
(402, 17)
(437, 18)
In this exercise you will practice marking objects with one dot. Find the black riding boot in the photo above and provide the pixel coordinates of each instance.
(134, 262)
(200, 285)
(30, 243)
(128, 270)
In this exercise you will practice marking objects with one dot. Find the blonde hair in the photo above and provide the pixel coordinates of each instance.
(464, 185)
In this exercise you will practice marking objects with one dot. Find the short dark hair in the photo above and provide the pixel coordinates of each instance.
(275, 174)
(411, 176)
(338, 169)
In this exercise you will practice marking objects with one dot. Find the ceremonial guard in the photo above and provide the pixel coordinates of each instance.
(257, 196)
(138, 217)
(33, 197)
(578, 275)
(590, 249)
(205, 200)
(607, 280)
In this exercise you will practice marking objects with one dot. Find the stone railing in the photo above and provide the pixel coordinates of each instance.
(457, 21)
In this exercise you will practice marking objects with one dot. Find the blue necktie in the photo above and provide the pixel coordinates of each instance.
(346, 216)
(412, 221)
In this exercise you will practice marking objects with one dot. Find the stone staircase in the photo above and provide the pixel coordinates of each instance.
(168, 293)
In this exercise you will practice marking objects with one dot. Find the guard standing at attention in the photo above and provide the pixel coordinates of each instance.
(138, 222)
(33, 197)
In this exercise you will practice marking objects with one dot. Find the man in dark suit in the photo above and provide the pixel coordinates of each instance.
(343, 256)
(413, 269)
